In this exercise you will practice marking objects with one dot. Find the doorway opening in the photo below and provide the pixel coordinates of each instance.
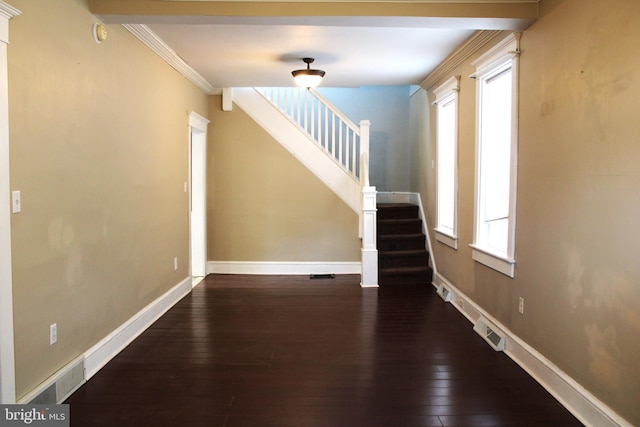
(198, 196)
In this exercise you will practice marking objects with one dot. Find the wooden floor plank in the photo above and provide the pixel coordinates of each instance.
(285, 351)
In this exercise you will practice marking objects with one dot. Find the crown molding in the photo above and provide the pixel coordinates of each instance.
(472, 45)
(155, 43)
(8, 11)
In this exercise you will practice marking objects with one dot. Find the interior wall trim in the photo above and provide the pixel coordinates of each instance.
(278, 267)
(468, 48)
(156, 44)
(580, 402)
(107, 348)
(7, 350)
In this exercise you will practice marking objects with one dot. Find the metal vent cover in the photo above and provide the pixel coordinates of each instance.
(490, 333)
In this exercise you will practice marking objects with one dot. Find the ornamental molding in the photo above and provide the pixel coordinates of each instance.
(155, 43)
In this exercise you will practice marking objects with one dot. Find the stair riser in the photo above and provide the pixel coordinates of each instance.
(386, 228)
(404, 279)
(400, 244)
(387, 261)
(404, 212)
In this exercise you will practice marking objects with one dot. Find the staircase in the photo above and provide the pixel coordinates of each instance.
(314, 132)
(402, 256)
(331, 146)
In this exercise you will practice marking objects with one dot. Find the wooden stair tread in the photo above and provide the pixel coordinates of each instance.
(393, 205)
(398, 220)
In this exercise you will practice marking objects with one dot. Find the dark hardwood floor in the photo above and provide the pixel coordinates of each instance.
(288, 351)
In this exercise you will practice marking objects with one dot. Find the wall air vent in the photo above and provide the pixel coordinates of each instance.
(492, 335)
(60, 386)
(444, 293)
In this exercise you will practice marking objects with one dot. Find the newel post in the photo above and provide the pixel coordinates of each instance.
(369, 234)
(368, 216)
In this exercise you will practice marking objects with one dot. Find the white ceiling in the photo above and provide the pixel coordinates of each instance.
(237, 55)
(239, 51)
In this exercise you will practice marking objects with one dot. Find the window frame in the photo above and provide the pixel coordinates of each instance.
(489, 65)
(445, 94)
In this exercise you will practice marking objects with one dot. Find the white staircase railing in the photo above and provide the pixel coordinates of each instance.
(347, 144)
(332, 131)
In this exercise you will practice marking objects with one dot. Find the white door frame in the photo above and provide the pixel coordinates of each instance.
(197, 195)
(7, 355)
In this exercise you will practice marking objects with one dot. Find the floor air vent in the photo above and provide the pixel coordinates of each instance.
(494, 336)
(322, 276)
(444, 293)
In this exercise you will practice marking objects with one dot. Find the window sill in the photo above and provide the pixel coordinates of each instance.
(499, 263)
(446, 238)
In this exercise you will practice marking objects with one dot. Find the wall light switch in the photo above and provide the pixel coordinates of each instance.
(175, 263)
(16, 205)
(53, 334)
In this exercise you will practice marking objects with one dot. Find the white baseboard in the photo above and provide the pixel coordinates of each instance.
(107, 348)
(293, 268)
(580, 402)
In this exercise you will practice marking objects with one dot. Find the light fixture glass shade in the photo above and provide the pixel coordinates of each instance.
(308, 78)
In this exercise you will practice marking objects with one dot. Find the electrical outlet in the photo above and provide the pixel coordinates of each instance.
(521, 305)
(53, 334)
(175, 263)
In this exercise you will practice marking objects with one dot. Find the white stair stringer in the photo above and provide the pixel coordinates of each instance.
(300, 145)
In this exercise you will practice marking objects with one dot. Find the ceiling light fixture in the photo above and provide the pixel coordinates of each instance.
(309, 77)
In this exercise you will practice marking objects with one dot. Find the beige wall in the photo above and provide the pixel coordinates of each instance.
(578, 199)
(264, 205)
(99, 150)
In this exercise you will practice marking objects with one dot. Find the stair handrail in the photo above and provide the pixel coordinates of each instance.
(339, 113)
(341, 139)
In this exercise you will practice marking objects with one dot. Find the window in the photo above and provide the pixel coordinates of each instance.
(447, 165)
(496, 156)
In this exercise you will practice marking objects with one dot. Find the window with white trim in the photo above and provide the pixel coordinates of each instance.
(496, 156)
(446, 230)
